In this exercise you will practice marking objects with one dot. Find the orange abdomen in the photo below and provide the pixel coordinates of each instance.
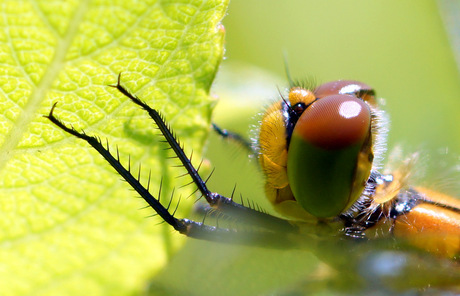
(433, 224)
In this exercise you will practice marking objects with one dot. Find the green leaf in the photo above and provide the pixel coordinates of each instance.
(67, 222)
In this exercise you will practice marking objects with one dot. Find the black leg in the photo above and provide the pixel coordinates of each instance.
(215, 200)
(234, 137)
(262, 226)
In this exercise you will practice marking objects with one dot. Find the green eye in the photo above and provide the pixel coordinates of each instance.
(326, 147)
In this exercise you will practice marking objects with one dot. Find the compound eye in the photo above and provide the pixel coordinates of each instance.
(334, 122)
(347, 87)
(325, 168)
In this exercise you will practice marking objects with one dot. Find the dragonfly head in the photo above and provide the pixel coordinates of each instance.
(327, 145)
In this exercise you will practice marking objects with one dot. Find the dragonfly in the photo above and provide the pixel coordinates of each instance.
(320, 149)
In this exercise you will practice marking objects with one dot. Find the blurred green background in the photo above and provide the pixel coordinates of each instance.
(400, 48)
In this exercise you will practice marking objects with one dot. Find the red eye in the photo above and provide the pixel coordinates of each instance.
(335, 122)
(347, 87)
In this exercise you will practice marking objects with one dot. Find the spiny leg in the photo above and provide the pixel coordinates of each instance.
(218, 202)
(185, 226)
(226, 134)
(267, 228)
(125, 173)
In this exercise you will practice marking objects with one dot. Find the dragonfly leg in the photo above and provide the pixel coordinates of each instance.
(215, 200)
(262, 221)
(235, 137)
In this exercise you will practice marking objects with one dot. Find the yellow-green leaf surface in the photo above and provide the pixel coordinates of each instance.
(68, 225)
